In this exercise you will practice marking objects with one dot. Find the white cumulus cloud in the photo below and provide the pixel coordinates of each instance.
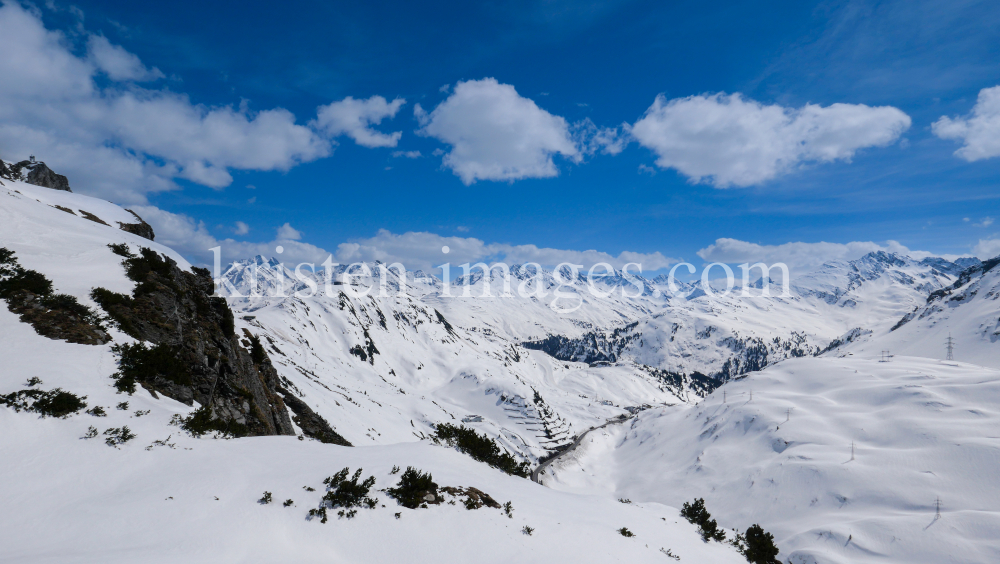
(422, 250)
(987, 249)
(979, 131)
(728, 140)
(355, 118)
(287, 232)
(497, 134)
(120, 141)
(118, 63)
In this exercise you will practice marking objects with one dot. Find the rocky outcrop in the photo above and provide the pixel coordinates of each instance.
(34, 172)
(141, 229)
(310, 422)
(197, 356)
(41, 175)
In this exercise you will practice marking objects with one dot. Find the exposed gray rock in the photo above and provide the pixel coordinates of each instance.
(141, 229)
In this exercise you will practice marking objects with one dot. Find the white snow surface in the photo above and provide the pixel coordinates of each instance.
(67, 498)
(922, 430)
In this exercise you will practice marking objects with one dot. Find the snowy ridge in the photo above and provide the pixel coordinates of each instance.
(968, 311)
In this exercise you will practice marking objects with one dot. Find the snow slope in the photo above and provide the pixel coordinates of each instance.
(922, 430)
(165, 496)
(69, 499)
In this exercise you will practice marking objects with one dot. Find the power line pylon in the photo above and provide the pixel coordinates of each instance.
(951, 347)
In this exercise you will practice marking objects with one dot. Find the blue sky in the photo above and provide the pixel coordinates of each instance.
(873, 171)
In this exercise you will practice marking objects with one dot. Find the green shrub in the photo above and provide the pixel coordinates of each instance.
(508, 509)
(138, 267)
(139, 363)
(97, 411)
(257, 350)
(757, 545)
(121, 249)
(91, 432)
(108, 300)
(528, 530)
(288, 503)
(696, 514)
(54, 403)
(265, 499)
(118, 436)
(625, 532)
(21, 279)
(481, 448)
(201, 422)
(412, 487)
(33, 381)
(346, 494)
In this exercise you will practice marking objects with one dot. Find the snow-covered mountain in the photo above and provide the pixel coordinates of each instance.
(121, 481)
(967, 311)
(669, 375)
(726, 336)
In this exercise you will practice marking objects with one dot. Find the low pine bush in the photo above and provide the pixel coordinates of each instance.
(139, 363)
(118, 436)
(412, 487)
(481, 448)
(345, 493)
(53, 403)
(201, 422)
(696, 514)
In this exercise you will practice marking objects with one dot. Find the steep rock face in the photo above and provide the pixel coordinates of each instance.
(38, 173)
(41, 175)
(197, 355)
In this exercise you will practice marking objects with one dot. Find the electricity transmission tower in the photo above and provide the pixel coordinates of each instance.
(951, 347)
(937, 509)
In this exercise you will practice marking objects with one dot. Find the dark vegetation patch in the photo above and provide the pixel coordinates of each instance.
(481, 448)
(139, 363)
(415, 488)
(345, 493)
(696, 514)
(117, 436)
(30, 295)
(756, 545)
(201, 422)
(53, 403)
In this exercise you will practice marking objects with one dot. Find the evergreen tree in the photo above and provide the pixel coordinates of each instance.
(760, 547)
